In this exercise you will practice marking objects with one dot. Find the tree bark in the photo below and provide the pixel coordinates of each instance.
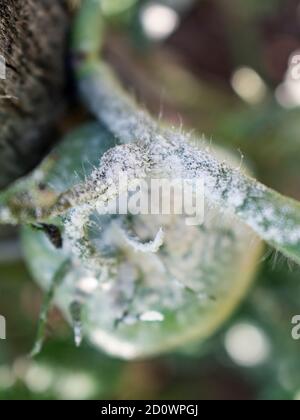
(32, 42)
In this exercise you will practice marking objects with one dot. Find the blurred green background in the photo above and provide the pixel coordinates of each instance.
(219, 67)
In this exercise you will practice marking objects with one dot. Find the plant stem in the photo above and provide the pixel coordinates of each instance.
(272, 216)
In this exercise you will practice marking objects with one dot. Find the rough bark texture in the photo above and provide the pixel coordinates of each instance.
(32, 41)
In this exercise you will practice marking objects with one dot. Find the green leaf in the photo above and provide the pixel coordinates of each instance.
(155, 302)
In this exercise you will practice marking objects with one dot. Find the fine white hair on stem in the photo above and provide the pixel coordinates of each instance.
(149, 150)
(168, 152)
(101, 187)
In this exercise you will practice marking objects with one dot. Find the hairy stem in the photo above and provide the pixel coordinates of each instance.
(150, 150)
(273, 217)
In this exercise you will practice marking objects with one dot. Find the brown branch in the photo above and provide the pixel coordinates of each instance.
(32, 41)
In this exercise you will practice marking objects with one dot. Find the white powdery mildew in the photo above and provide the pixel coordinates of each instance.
(103, 183)
(78, 242)
(168, 152)
(230, 190)
(75, 225)
(275, 224)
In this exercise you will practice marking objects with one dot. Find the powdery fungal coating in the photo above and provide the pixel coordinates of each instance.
(130, 160)
(188, 279)
(102, 187)
(168, 152)
(144, 264)
(150, 151)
